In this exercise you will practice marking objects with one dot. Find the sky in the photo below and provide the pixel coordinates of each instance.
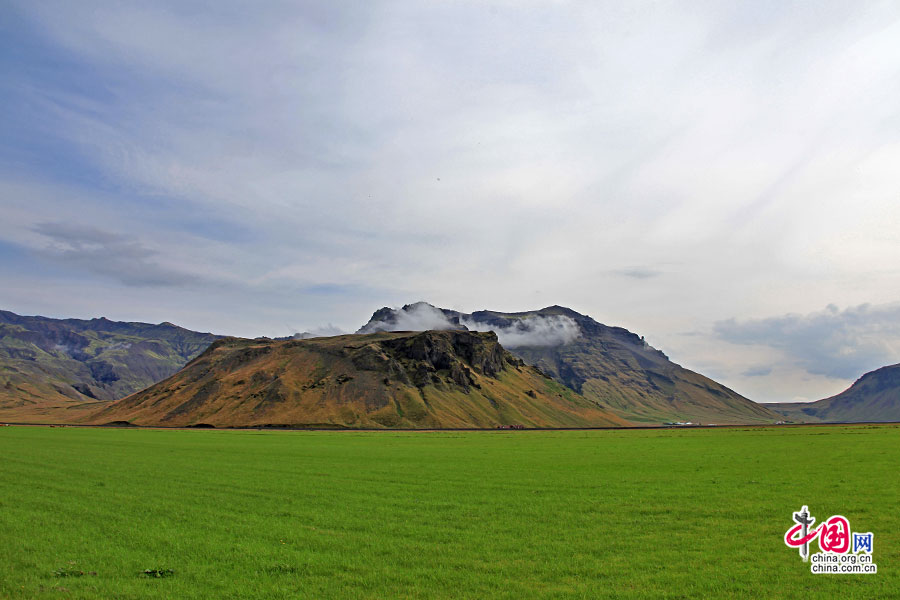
(720, 177)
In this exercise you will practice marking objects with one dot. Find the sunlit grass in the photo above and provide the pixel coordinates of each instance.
(244, 514)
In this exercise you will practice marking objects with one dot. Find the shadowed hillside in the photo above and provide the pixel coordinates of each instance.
(432, 379)
(55, 369)
(873, 397)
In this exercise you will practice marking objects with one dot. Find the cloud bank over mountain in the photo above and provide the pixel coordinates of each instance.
(419, 316)
(537, 330)
(553, 330)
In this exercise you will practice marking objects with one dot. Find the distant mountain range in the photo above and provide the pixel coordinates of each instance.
(873, 397)
(58, 368)
(431, 379)
(585, 373)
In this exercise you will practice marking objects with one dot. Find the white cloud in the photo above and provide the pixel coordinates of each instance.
(419, 316)
(533, 330)
(554, 330)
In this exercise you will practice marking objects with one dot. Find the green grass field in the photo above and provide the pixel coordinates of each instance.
(521, 514)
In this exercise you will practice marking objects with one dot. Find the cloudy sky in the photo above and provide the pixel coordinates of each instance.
(721, 177)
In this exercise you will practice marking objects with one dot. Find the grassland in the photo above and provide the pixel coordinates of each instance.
(246, 514)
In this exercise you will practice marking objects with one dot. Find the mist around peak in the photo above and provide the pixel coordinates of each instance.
(528, 330)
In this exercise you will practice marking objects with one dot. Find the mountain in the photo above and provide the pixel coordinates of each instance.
(873, 397)
(58, 369)
(608, 365)
(431, 379)
(63, 370)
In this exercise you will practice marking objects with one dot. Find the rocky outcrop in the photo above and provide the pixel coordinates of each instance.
(443, 349)
(434, 357)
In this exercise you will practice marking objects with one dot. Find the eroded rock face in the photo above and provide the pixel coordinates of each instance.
(443, 349)
(434, 358)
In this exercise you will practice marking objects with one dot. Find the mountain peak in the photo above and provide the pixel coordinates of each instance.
(556, 309)
(418, 316)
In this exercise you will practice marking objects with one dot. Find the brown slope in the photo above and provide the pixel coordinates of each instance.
(618, 370)
(402, 379)
(873, 397)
